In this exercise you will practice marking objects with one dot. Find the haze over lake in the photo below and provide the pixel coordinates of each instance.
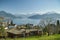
(25, 21)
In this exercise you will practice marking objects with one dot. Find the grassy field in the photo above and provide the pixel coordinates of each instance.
(51, 37)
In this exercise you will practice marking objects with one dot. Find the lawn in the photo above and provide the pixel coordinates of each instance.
(51, 37)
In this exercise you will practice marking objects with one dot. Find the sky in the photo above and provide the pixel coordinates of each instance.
(29, 6)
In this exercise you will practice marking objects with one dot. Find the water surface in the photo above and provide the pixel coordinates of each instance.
(25, 21)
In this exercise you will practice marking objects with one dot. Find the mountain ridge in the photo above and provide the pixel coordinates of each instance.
(5, 14)
(47, 15)
(31, 16)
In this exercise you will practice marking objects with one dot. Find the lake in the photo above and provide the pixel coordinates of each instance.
(25, 21)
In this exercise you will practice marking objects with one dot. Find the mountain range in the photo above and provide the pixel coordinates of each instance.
(47, 15)
(31, 16)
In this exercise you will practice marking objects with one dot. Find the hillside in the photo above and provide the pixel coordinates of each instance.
(5, 14)
(37, 16)
(46, 15)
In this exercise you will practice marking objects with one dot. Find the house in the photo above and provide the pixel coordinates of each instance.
(36, 32)
(11, 25)
(29, 26)
(15, 33)
(23, 32)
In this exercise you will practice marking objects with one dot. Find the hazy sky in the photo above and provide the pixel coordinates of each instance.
(29, 6)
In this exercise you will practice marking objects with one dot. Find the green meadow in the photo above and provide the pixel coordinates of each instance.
(51, 37)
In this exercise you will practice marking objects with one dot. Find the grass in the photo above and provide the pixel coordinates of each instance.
(51, 37)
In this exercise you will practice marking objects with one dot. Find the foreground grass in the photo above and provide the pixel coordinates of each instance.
(51, 37)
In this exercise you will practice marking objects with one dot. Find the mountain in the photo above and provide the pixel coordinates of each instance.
(46, 15)
(36, 16)
(23, 15)
(31, 16)
(51, 15)
(5, 14)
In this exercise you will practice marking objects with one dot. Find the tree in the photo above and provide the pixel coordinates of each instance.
(27, 26)
(2, 31)
(57, 27)
(45, 23)
(36, 27)
(11, 22)
(44, 30)
(42, 23)
(48, 21)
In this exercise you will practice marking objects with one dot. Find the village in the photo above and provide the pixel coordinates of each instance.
(10, 30)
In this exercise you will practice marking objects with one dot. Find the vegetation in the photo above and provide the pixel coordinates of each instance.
(45, 37)
(2, 30)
